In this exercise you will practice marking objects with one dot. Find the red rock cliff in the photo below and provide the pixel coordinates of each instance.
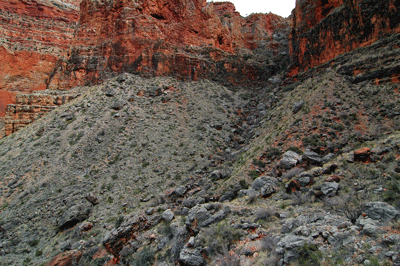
(34, 35)
(189, 39)
(324, 29)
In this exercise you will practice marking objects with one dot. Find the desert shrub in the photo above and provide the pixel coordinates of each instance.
(33, 243)
(27, 262)
(119, 221)
(145, 257)
(292, 173)
(313, 141)
(272, 153)
(98, 261)
(392, 193)
(299, 198)
(349, 205)
(266, 215)
(259, 163)
(295, 149)
(166, 230)
(254, 174)
(227, 259)
(219, 238)
(243, 184)
(309, 254)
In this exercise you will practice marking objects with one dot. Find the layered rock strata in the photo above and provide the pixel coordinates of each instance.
(29, 107)
(34, 35)
(324, 29)
(187, 39)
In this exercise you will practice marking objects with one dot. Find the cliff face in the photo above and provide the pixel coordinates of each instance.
(30, 107)
(34, 35)
(186, 39)
(323, 29)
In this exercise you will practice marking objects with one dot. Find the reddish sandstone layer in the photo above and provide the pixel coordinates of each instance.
(184, 38)
(34, 35)
(29, 107)
(324, 29)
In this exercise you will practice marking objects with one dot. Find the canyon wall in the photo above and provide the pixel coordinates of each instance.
(324, 29)
(34, 35)
(30, 107)
(187, 39)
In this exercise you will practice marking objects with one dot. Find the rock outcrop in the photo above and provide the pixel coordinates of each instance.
(187, 39)
(34, 35)
(29, 107)
(324, 29)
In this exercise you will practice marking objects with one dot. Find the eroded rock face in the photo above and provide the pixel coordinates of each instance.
(324, 29)
(187, 39)
(71, 257)
(29, 107)
(34, 35)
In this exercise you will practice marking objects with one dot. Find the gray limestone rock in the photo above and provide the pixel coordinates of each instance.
(289, 160)
(312, 157)
(168, 215)
(330, 188)
(381, 211)
(191, 257)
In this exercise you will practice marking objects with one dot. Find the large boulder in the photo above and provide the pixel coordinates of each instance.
(381, 211)
(191, 257)
(289, 160)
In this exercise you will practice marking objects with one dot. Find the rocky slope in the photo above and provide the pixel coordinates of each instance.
(158, 171)
(34, 35)
(161, 171)
(187, 39)
(323, 30)
(29, 107)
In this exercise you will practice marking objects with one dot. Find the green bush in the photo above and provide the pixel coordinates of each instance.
(166, 230)
(271, 153)
(119, 221)
(145, 257)
(259, 163)
(309, 255)
(243, 184)
(219, 238)
(295, 149)
(253, 174)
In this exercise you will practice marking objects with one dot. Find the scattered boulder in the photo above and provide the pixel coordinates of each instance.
(85, 226)
(74, 215)
(191, 257)
(333, 178)
(92, 199)
(218, 174)
(110, 92)
(312, 157)
(304, 180)
(292, 186)
(180, 191)
(168, 215)
(330, 188)
(362, 155)
(370, 230)
(115, 240)
(117, 105)
(267, 190)
(289, 160)
(297, 106)
(381, 211)
(261, 181)
(205, 214)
